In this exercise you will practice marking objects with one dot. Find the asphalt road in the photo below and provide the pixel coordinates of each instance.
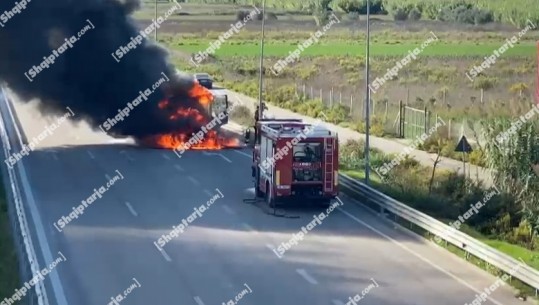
(111, 246)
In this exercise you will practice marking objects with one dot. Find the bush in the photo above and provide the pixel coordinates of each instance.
(400, 15)
(240, 15)
(483, 16)
(349, 6)
(260, 16)
(465, 13)
(321, 17)
(414, 14)
(271, 16)
(353, 16)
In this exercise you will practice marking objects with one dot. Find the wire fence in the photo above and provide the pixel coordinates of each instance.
(387, 112)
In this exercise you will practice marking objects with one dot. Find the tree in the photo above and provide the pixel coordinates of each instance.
(512, 158)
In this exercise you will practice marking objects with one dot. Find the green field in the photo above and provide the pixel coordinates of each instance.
(358, 48)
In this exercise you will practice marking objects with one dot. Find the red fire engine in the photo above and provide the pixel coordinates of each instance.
(294, 160)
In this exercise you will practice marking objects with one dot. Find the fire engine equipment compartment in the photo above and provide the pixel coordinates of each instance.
(307, 162)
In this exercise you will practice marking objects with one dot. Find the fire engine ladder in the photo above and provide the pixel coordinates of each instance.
(328, 164)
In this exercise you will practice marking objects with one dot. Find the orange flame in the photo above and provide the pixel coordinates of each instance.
(180, 140)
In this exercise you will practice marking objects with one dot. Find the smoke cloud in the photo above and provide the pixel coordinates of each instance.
(85, 77)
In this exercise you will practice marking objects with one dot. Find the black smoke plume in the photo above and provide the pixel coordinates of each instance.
(86, 77)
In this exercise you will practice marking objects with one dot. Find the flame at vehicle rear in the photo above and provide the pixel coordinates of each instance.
(198, 120)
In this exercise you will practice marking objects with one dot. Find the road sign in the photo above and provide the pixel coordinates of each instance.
(463, 145)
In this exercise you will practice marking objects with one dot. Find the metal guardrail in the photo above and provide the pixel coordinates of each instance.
(28, 262)
(502, 261)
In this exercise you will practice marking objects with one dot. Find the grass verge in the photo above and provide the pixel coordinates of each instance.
(9, 273)
(531, 258)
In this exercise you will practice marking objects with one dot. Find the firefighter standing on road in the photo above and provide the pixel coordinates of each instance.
(256, 121)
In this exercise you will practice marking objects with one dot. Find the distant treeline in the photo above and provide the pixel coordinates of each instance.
(517, 13)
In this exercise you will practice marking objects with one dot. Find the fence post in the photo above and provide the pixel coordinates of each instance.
(312, 95)
(321, 97)
(403, 120)
(340, 97)
(449, 129)
(304, 90)
(443, 96)
(351, 103)
(385, 114)
(400, 119)
(331, 98)
(481, 95)
(426, 122)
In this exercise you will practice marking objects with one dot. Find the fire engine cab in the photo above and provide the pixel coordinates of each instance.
(293, 160)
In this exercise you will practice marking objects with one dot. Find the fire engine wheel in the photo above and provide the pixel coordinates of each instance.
(270, 201)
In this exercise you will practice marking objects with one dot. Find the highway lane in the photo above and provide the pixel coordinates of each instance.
(112, 242)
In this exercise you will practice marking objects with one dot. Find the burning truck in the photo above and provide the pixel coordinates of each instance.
(204, 117)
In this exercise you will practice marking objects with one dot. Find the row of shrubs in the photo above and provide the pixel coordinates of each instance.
(453, 12)
(459, 13)
(446, 196)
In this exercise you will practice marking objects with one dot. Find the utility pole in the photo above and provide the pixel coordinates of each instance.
(261, 108)
(155, 18)
(367, 100)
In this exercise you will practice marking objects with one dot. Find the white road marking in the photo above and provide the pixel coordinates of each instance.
(270, 247)
(195, 181)
(199, 301)
(244, 154)
(228, 209)
(108, 177)
(54, 156)
(178, 167)
(130, 207)
(306, 276)
(225, 158)
(205, 153)
(129, 157)
(415, 254)
(165, 255)
(337, 302)
(166, 156)
(90, 154)
(58, 289)
(208, 193)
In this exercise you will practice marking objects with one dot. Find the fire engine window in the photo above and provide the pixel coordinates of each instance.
(263, 150)
(307, 152)
(269, 148)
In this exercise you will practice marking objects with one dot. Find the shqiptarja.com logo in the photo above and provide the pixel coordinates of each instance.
(17, 9)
